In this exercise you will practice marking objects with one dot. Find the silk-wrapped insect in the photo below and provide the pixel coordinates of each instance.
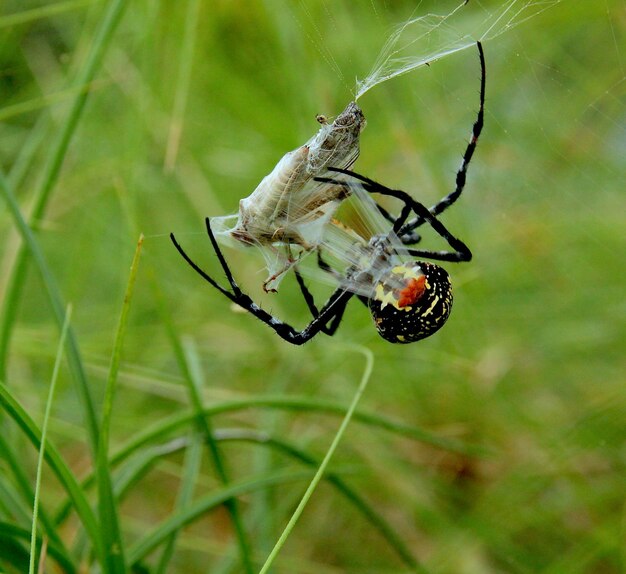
(285, 214)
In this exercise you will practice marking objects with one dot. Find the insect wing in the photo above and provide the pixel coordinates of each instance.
(357, 246)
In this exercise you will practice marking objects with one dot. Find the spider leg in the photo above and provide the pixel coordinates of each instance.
(461, 174)
(410, 237)
(334, 321)
(337, 300)
(404, 214)
(192, 264)
(461, 251)
(372, 186)
(407, 238)
(308, 297)
(382, 190)
(406, 233)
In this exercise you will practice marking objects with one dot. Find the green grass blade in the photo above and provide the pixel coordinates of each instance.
(206, 427)
(182, 84)
(376, 519)
(182, 518)
(193, 457)
(63, 473)
(204, 504)
(12, 536)
(192, 377)
(11, 503)
(13, 552)
(369, 365)
(44, 432)
(146, 458)
(131, 473)
(100, 44)
(50, 176)
(109, 523)
(306, 404)
(164, 428)
(56, 302)
(42, 12)
(15, 463)
(24, 161)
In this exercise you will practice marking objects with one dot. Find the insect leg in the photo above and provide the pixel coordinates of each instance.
(337, 300)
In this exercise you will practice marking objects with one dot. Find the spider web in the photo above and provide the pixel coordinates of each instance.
(425, 39)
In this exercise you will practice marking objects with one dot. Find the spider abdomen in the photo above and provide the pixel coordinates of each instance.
(411, 302)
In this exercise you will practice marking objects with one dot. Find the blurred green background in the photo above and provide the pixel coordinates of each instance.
(190, 106)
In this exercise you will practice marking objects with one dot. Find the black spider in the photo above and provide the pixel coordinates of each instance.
(408, 302)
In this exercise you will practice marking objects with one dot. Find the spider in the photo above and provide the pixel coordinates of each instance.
(408, 301)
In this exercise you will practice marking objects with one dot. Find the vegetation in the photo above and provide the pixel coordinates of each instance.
(181, 434)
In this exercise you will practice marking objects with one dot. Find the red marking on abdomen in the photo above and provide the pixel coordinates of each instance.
(412, 292)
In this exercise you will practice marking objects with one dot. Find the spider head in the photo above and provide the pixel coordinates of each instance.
(411, 302)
